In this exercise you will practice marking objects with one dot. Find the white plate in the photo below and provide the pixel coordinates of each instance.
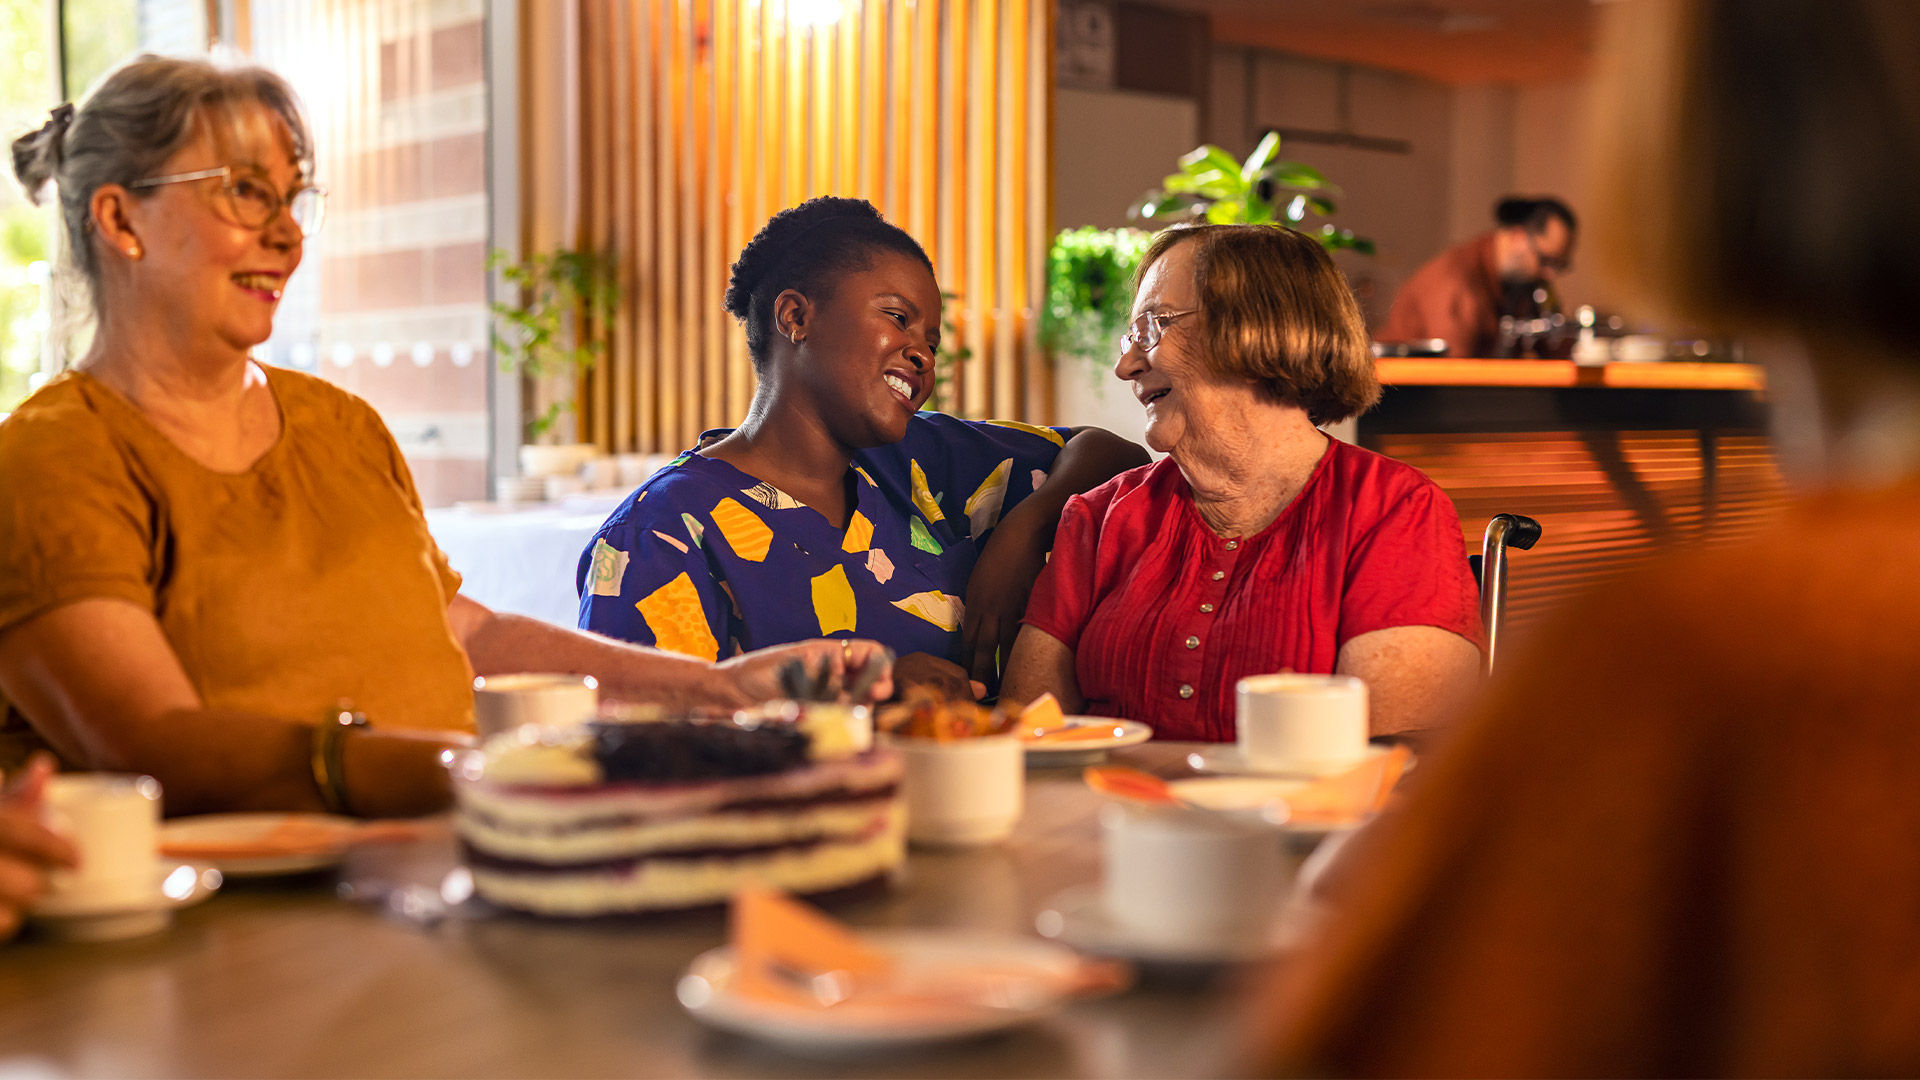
(1224, 760)
(921, 956)
(1252, 795)
(1078, 917)
(1132, 733)
(175, 885)
(255, 828)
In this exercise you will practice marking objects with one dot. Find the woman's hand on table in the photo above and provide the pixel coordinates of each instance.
(942, 676)
(754, 677)
(28, 849)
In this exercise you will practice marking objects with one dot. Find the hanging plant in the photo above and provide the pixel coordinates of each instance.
(1090, 291)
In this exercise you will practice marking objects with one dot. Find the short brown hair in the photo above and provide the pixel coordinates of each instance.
(1280, 313)
(1757, 163)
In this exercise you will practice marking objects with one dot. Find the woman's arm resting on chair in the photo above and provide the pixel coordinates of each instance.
(99, 682)
(1017, 551)
(1417, 676)
(1041, 664)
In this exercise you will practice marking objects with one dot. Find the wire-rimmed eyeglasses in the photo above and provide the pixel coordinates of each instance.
(1148, 329)
(253, 202)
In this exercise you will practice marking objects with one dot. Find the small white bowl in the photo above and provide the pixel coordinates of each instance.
(962, 792)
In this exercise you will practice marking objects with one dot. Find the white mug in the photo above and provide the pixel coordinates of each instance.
(113, 821)
(1181, 876)
(1312, 723)
(505, 702)
(962, 792)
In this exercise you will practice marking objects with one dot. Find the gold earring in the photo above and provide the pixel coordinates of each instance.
(133, 251)
(794, 336)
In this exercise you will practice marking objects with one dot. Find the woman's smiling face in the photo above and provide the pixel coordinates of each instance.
(867, 349)
(1173, 382)
(200, 263)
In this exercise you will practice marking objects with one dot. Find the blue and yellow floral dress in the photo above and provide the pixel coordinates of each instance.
(707, 561)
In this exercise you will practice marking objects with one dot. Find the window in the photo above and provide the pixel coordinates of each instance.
(390, 301)
(27, 91)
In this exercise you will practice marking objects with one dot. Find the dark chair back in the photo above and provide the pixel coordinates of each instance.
(1490, 569)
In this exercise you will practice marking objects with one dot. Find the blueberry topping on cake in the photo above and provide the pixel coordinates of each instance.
(670, 751)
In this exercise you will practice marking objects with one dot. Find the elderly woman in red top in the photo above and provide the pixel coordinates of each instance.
(1259, 544)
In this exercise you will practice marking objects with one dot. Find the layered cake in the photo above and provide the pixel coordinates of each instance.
(663, 815)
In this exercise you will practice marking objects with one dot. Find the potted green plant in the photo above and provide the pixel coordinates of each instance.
(1211, 186)
(542, 336)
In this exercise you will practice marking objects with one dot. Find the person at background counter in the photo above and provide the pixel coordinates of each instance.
(1460, 296)
(1259, 543)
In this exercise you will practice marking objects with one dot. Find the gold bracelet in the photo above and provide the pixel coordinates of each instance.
(327, 757)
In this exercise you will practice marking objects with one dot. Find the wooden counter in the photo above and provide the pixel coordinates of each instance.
(1616, 461)
(1566, 374)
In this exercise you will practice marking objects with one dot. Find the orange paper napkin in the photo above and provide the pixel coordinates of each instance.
(782, 948)
(1349, 796)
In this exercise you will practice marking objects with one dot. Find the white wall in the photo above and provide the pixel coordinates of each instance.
(1110, 147)
(1480, 166)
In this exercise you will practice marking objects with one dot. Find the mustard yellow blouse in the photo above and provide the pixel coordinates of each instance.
(306, 580)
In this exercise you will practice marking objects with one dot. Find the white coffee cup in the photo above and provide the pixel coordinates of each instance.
(962, 792)
(1312, 723)
(1179, 876)
(505, 702)
(113, 822)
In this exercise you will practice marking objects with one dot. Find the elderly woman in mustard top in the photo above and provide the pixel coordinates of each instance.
(200, 556)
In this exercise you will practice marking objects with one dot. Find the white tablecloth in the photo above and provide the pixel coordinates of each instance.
(522, 560)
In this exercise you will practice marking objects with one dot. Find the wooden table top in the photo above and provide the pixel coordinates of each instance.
(1668, 375)
(284, 979)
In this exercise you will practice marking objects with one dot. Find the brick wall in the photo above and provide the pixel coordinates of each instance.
(391, 302)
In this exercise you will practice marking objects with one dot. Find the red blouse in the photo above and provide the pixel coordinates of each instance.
(1163, 615)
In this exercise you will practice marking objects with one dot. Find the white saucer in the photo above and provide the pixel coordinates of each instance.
(1225, 759)
(706, 991)
(175, 885)
(247, 829)
(1078, 917)
(1131, 733)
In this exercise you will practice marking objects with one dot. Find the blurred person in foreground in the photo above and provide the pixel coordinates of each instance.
(1683, 836)
(200, 556)
(1460, 295)
(1259, 543)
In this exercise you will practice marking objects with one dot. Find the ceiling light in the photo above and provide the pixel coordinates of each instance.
(814, 13)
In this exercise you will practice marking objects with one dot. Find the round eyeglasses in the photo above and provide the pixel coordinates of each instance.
(1148, 329)
(252, 202)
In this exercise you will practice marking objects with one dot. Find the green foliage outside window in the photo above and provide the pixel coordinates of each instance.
(26, 93)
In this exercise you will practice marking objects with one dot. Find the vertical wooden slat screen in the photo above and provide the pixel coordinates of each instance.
(703, 118)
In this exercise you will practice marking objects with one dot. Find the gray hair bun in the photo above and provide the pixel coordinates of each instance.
(37, 154)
